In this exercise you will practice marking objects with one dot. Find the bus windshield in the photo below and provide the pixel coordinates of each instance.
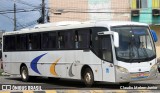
(135, 44)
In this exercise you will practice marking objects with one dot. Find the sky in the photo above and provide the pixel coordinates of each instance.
(23, 18)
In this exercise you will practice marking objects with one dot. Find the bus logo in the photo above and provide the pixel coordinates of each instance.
(34, 63)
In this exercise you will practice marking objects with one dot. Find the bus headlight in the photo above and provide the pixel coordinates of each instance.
(154, 67)
(122, 69)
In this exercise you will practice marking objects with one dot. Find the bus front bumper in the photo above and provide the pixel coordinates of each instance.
(124, 76)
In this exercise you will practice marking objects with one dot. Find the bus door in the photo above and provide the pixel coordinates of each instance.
(108, 71)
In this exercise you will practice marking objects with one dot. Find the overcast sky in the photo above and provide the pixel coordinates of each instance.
(23, 18)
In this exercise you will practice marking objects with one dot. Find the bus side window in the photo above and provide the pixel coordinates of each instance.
(66, 40)
(76, 39)
(5, 43)
(49, 40)
(21, 42)
(83, 38)
(34, 41)
(60, 40)
(9, 43)
(69, 39)
(29, 43)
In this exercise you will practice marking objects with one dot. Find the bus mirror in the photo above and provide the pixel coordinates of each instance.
(116, 39)
(114, 34)
(154, 35)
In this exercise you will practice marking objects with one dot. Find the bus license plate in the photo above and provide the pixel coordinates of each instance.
(139, 75)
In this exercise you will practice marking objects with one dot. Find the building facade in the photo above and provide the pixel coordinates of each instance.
(147, 11)
(84, 10)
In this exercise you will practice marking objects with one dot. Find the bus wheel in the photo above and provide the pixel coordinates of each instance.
(24, 74)
(88, 77)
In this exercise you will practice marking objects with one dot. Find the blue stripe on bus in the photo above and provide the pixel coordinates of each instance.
(34, 63)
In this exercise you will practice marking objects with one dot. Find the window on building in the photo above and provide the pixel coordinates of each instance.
(141, 3)
(49, 40)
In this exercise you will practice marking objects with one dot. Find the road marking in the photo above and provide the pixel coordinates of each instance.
(72, 91)
(97, 91)
(27, 91)
(39, 92)
(51, 91)
(144, 91)
(4, 92)
(116, 91)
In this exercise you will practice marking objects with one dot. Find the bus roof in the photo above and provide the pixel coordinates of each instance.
(121, 23)
(73, 24)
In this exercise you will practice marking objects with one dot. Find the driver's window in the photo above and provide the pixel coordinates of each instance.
(106, 48)
(145, 42)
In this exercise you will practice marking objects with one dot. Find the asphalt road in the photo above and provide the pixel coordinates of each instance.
(46, 83)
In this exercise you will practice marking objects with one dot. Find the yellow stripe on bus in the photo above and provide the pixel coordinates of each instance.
(52, 68)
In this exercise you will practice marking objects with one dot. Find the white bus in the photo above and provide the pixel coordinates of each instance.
(117, 52)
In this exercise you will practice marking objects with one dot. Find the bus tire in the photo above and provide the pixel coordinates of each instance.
(88, 77)
(24, 74)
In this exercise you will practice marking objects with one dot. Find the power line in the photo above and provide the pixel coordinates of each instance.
(28, 24)
(19, 10)
(25, 3)
(12, 20)
(68, 11)
(22, 2)
(20, 26)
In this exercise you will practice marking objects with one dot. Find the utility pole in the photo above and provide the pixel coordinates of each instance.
(43, 11)
(15, 25)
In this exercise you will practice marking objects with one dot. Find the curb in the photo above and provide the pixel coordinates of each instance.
(5, 74)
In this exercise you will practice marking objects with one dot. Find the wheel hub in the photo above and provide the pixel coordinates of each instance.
(88, 77)
(24, 74)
